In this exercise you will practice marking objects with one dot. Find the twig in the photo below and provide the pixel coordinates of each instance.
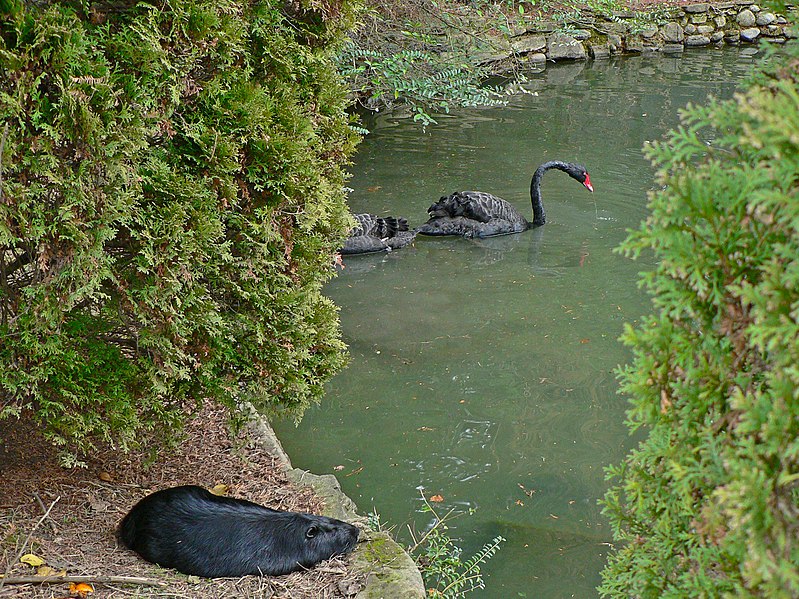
(2, 146)
(49, 520)
(4, 579)
(95, 579)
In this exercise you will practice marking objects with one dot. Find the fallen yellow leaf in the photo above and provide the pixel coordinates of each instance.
(46, 570)
(437, 498)
(219, 489)
(32, 560)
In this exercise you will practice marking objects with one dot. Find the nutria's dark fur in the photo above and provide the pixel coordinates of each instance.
(194, 531)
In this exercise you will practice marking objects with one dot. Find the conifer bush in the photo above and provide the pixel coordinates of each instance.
(171, 199)
(708, 504)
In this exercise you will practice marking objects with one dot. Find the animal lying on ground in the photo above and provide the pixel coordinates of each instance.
(196, 532)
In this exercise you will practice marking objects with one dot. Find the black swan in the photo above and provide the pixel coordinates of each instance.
(377, 234)
(480, 214)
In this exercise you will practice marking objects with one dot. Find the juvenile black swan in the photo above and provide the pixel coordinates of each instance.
(480, 214)
(377, 234)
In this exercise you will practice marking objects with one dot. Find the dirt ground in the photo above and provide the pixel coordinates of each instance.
(84, 507)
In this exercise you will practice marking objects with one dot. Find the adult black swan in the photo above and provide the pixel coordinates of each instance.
(480, 214)
(377, 234)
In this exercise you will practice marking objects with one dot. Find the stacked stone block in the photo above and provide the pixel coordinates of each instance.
(695, 25)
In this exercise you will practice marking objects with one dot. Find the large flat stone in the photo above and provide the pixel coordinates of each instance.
(564, 47)
(528, 43)
(697, 40)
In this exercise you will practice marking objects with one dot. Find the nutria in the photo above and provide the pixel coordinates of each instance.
(196, 532)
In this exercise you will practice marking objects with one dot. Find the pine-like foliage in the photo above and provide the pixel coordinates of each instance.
(708, 504)
(171, 198)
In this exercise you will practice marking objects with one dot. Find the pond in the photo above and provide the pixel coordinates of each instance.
(483, 370)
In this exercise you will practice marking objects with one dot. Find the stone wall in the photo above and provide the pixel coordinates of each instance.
(694, 25)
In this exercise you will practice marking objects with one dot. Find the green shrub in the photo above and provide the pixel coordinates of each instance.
(172, 198)
(708, 504)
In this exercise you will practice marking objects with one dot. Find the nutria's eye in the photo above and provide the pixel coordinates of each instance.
(311, 532)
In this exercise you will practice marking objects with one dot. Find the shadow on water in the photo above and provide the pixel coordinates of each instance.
(482, 370)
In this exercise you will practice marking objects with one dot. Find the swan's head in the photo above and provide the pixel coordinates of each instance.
(578, 172)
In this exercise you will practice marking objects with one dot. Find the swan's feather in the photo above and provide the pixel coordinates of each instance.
(376, 234)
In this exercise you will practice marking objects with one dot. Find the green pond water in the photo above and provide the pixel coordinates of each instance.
(483, 370)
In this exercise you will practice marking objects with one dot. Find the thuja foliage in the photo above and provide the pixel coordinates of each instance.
(708, 504)
(171, 198)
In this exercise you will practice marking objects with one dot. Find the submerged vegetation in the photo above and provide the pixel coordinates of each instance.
(708, 504)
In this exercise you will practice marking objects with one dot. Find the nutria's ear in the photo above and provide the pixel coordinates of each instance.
(311, 532)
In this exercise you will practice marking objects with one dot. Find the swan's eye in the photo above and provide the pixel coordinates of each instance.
(311, 532)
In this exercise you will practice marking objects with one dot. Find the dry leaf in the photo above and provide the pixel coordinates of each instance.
(81, 589)
(338, 468)
(97, 504)
(32, 560)
(219, 489)
(437, 498)
(105, 476)
(46, 570)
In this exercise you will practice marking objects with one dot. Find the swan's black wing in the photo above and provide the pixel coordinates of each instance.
(473, 214)
(378, 226)
(376, 234)
(363, 244)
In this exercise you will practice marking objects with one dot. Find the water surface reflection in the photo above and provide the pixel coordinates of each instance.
(482, 369)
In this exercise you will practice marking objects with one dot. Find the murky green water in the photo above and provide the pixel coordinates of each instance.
(482, 371)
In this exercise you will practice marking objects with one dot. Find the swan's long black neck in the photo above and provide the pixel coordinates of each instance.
(539, 217)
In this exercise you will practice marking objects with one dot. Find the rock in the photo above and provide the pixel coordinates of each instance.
(581, 34)
(697, 8)
(754, 8)
(717, 37)
(732, 37)
(528, 43)
(772, 31)
(598, 51)
(649, 32)
(564, 47)
(746, 18)
(690, 29)
(790, 33)
(705, 30)
(720, 21)
(537, 57)
(697, 40)
(672, 33)
(699, 19)
(614, 43)
(765, 18)
(673, 48)
(635, 44)
(750, 34)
